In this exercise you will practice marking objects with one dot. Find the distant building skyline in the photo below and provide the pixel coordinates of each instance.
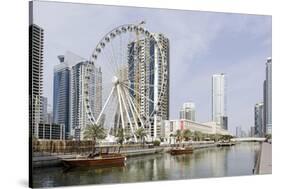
(240, 132)
(188, 111)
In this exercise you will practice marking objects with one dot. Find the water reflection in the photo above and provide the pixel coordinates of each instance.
(212, 162)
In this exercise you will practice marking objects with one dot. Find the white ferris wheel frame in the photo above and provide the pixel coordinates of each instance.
(118, 88)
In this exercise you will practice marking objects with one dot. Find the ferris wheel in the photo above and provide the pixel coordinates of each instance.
(125, 80)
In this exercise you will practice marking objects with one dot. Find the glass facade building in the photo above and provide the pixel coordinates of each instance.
(61, 95)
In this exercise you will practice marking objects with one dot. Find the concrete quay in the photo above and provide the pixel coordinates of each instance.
(56, 160)
(264, 165)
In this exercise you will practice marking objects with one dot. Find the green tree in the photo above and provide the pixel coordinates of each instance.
(227, 137)
(198, 136)
(178, 136)
(141, 134)
(213, 137)
(120, 138)
(156, 143)
(128, 136)
(187, 134)
(94, 132)
(268, 136)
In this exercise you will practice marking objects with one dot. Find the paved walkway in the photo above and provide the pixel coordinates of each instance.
(265, 165)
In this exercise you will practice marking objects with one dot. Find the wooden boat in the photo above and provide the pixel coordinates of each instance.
(101, 160)
(225, 144)
(177, 151)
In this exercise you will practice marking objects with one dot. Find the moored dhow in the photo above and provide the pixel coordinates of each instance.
(177, 151)
(220, 144)
(100, 160)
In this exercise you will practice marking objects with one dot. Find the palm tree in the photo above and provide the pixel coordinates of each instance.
(141, 134)
(94, 132)
(128, 136)
(179, 136)
(121, 138)
(198, 135)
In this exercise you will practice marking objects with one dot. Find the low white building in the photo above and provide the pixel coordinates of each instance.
(170, 127)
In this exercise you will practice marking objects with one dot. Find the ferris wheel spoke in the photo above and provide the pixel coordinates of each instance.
(127, 113)
(134, 108)
(107, 100)
(110, 112)
(137, 92)
(121, 109)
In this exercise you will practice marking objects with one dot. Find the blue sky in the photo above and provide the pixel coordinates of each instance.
(201, 44)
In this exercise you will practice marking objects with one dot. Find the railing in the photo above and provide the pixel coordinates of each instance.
(83, 148)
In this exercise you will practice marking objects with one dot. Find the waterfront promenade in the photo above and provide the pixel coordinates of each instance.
(49, 159)
(265, 162)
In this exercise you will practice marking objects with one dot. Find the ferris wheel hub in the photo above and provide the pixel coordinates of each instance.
(115, 80)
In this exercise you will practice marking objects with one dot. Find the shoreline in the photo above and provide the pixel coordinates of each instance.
(264, 161)
(55, 160)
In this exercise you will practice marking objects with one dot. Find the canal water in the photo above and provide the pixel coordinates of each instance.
(210, 162)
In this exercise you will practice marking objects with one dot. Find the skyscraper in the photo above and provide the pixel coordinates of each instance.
(268, 97)
(145, 72)
(69, 85)
(61, 93)
(219, 100)
(259, 119)
(36, 46)
(78, 115)
(188, 111)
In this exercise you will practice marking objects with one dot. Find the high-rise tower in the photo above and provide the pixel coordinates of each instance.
(36, 46)
(259, 122)
(219, 100)
(78, 115)
(61, 91)
(188, 111)
(145, 71)
(268, 97)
